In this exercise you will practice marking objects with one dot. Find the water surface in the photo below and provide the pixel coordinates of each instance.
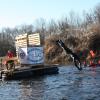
(69, 84)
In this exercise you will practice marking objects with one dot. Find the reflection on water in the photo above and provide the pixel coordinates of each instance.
(69, 84)
(31, 89)
(26, 90)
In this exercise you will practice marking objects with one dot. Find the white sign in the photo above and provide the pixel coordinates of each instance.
(31, 55)
(22, 55)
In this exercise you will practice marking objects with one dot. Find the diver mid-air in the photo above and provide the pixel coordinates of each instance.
(73, 55)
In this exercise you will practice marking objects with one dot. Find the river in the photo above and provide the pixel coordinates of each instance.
(68, 84)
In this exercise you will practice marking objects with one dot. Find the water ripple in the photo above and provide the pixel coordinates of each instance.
(69, 84)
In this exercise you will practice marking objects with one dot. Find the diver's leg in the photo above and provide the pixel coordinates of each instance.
(78, 64)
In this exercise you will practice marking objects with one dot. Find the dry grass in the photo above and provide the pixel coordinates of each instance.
(54, 54)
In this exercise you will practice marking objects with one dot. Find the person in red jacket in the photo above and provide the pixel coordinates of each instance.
(10, 54)
(92, 53)
(92, 60)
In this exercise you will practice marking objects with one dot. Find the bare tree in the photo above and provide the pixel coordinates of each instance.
(52, 27)
(97, 13)
(63, 25)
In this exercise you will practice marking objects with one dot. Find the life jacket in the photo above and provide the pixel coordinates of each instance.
(10, 55)
(92, 53)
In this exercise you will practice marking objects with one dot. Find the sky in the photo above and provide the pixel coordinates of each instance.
(18, 12)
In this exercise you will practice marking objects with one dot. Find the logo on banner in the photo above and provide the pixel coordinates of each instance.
(35, 55)
(22, 54)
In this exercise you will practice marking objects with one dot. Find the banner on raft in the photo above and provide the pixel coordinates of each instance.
(31, 55)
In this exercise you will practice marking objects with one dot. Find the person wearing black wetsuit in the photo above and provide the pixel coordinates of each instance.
(73, 55)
